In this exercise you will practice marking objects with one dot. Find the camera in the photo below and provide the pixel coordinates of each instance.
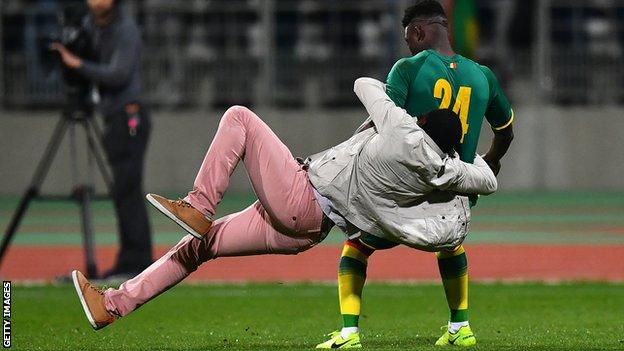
(73, 34)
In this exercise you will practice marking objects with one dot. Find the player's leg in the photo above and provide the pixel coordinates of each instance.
(453, 267)
(352, 276)
(249, 232)
(351, 280)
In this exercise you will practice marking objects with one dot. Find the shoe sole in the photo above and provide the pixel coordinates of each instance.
(85, 308)
(173, 217)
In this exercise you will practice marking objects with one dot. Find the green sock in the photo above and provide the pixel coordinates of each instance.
(350, 320)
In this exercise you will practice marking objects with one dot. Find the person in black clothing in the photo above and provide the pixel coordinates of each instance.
(116, 45)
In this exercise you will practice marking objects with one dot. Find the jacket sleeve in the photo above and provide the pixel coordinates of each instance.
(368, 123)
(384, 113)
(466, 178)
(118, 71)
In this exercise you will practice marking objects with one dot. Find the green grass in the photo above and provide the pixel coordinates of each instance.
(294, 317)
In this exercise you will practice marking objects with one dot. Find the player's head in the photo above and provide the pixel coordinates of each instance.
(444, 127)
(425, 25)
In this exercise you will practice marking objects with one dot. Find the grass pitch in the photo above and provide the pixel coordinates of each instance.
(579, 316)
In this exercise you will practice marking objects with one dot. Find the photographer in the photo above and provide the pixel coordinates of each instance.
(116, 45)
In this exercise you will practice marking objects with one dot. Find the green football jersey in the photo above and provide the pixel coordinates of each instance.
(429, 81)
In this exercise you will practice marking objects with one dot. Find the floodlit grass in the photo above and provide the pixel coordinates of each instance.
(579, 316)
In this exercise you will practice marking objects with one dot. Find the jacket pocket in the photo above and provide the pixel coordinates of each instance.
(325, 170)
(447, 230)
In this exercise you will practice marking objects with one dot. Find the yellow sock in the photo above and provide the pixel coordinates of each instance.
(351, 279)
(454, 272)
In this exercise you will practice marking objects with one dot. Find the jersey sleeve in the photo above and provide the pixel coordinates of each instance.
(499, 113)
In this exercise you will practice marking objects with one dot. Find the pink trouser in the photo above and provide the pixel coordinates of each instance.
(286, 219)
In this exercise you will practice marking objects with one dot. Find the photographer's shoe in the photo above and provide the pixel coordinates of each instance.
(181, 212)
(92, 301)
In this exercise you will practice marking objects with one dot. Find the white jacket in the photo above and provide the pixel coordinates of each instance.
(394, 182)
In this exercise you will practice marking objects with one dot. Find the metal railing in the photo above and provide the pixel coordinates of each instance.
(211, 53)
(306, 53)
(579, 52)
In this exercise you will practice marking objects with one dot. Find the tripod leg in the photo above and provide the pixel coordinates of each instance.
(15, 221)
(48, 156)
(35, 185)
(93, 138)
(87, 231)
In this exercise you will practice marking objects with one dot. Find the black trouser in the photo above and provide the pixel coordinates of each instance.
(125, 146)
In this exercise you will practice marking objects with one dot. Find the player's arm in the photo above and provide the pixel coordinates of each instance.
(500, 116)
(466, 178)
(500, 144)
(384, 113)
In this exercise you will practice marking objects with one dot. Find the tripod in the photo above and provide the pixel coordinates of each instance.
(83, 194)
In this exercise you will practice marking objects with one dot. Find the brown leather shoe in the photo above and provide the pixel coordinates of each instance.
(92, 300)
(181, 212)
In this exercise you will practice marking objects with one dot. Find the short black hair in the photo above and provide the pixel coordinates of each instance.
(424, 9)
(444, 127)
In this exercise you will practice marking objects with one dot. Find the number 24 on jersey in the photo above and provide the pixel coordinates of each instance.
(443, 91)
